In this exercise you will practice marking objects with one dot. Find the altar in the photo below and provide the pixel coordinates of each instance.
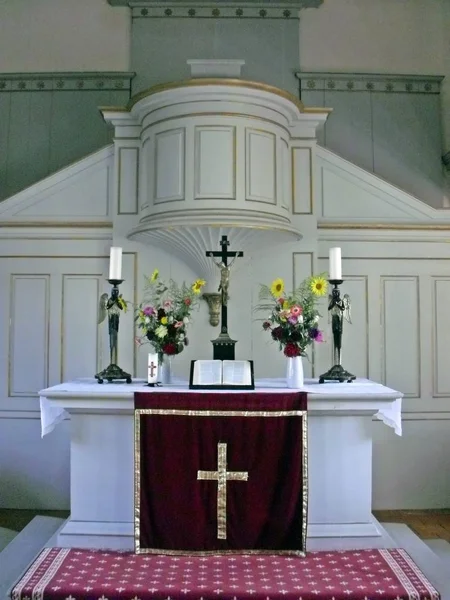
(339, 459)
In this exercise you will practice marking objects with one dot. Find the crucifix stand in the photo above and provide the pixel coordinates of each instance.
(223, 346)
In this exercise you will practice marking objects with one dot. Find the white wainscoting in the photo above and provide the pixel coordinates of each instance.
(49, 333)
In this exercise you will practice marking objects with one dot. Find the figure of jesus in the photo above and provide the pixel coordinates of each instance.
(224, 277)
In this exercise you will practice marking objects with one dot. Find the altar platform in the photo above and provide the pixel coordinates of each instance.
(339, 457)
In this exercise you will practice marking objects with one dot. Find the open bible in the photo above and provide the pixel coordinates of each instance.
(222, 374)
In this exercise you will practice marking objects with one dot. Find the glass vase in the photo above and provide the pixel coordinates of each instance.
(165, 369)
(294, 372)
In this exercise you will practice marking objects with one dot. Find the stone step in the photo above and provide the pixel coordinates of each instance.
(19, 553)
(432, 566)
(441, 548)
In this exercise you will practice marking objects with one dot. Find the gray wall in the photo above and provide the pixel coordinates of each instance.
(387, 124)
(48, 121)
(160, 45)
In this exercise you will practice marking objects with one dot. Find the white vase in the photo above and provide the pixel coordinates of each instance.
(294, 372)
(165, 369)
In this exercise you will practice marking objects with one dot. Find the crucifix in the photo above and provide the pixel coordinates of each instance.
(152, 368)
(222, 476)
(224, 345)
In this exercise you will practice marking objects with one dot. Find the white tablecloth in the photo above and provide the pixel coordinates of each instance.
(52, 414)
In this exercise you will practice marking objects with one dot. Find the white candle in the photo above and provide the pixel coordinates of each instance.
(335, 263)
(152, 376)
(115, 263)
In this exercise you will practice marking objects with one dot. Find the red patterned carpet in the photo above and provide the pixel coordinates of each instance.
(63, 574)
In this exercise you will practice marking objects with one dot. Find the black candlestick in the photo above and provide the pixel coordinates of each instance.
(112, 307)
(339, 309)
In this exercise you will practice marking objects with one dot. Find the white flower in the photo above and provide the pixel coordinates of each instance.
(181, 336)
(186, 320)
(147, 320)
(300, 319)
(161, 331)
(170, 319)
(316, 319)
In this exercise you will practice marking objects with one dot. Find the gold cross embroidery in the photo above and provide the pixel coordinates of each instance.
(222, 476)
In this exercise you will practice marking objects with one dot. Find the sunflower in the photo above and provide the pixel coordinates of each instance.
(197, 285)
(154, 275)
(318, 286)
(277, 287)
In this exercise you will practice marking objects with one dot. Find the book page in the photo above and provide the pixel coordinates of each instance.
(207, 372)
(236, 372)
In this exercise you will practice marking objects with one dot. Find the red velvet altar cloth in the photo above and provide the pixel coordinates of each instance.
(59, 573)
(220, 472)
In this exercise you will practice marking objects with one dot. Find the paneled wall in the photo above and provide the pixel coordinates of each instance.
(49, 120)
(49, 333)
(267, 39)
(388, 125)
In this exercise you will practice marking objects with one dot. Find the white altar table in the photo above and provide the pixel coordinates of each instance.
(339, 457)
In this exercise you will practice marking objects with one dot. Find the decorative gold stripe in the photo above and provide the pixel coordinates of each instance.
(387, 226)
(219, 413)
(58, 224)
(207, 81)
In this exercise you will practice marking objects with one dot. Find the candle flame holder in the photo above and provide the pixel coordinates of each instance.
(338, 310)
(112, 307)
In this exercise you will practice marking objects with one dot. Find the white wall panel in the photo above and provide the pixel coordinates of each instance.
(401, 334)
(302, 190)
(285, 175)
(128, 181)
(29, 334)
(215, 162)
(261, 166)
(79, 324)
(169, 165)
(440, 336)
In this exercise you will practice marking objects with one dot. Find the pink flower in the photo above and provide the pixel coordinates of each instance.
(319, 337)
(280, 301)
(178, 324)
(296, 310)
(167, 304)
(293, 320)
(149, 311)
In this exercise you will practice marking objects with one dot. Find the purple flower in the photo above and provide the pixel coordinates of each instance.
(315, 334)
(293, 320)
(149, 311)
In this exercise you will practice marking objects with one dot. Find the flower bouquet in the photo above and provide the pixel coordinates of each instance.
(165, 312)
(293, 317)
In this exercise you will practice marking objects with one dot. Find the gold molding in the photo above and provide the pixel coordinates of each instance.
(58, 224)
(386, 226)
(236, 83)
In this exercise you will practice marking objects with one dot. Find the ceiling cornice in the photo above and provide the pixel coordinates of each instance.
(224, 3)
